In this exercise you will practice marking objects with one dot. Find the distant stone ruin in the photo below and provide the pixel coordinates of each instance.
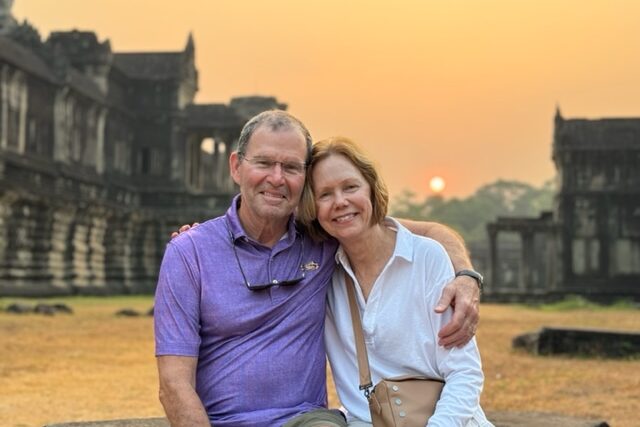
(102, 154)
(589, 244)
(40, 308)
(580, 342)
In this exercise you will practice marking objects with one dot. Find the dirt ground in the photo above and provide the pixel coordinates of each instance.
(93, 365)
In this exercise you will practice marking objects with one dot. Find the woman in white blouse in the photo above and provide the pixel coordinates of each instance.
(398, 276)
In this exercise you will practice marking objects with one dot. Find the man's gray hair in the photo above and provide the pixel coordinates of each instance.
(275, 120)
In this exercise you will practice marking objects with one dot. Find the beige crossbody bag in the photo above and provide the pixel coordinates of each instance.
(407, 401)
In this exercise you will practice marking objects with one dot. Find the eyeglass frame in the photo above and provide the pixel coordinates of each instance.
(270, 164)
(274, 282)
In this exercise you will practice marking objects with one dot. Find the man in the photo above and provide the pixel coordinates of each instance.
(239, 308)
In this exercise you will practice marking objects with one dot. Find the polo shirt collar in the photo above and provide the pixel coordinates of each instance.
(237, 231)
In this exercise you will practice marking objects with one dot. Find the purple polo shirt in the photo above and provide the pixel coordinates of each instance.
(261, 358)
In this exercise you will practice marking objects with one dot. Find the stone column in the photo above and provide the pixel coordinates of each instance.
(553, 260)
(96, 243)
(21, 81)
(60, 129)
(60, 258)
(4, 107)
(80, 251)
(100, 131)
(526, 261)
(221, 171)
(6, 201)
(227, 182)
(494, 278)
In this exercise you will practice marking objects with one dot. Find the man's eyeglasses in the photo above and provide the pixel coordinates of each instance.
(274, 282)
(267, 164)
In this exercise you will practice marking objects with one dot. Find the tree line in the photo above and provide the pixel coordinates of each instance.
(470, 215)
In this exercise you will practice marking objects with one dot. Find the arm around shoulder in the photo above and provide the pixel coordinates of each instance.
(463, 293)
(446, 236)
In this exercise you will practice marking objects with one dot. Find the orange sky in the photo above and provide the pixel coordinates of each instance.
(462, 89)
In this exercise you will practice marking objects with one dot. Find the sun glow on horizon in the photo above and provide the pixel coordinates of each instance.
(477, 91)
(437, 184)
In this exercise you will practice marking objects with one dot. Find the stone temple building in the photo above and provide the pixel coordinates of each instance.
(590, 243)
(102, 154)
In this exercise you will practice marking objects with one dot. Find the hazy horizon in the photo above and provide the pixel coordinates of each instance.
(463, 90)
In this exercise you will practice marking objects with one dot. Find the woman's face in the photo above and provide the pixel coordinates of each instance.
(342, 197)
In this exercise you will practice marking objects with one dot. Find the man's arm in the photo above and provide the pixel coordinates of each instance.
(177, 392)
(183, 228)
(462, 293)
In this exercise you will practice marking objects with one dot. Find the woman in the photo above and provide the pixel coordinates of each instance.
(398, 277)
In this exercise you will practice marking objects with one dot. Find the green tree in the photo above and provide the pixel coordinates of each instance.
(470, 215)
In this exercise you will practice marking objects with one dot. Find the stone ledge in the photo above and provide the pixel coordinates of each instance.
(138, 422)
(537, 419)
(499, 419)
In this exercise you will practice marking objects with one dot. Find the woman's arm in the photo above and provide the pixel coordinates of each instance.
(460, 367)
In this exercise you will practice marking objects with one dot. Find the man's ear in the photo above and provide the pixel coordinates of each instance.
(234, 165)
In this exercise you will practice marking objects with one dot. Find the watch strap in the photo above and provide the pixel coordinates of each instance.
(473, 274)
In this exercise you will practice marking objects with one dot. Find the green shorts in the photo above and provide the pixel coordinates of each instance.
(318, 418)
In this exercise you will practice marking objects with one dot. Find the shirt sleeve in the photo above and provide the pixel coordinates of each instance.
(460, 368)
(177, 305)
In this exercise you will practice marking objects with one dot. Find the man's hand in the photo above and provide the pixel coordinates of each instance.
(184, 228)
(463, 294)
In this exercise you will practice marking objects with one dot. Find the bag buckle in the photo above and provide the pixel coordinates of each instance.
(367, 392)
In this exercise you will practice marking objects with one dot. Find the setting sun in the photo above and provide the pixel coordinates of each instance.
(437, 184)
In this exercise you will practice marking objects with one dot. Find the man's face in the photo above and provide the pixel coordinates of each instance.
(270, 192)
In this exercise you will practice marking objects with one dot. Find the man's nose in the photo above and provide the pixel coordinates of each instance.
(277, 173)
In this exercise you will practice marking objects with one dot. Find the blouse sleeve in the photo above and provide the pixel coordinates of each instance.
(460, 368)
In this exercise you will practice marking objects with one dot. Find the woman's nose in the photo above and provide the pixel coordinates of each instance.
(340, 199)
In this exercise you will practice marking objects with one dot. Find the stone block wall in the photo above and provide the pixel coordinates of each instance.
(59, 249)
(66, 234)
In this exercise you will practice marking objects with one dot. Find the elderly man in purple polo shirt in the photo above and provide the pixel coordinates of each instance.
(240, 302)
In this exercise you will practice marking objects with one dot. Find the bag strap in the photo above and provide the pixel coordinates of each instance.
(361, 348)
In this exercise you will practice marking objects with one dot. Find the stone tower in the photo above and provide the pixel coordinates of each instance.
(7, 21)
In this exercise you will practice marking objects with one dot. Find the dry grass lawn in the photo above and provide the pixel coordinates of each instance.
(92, 365)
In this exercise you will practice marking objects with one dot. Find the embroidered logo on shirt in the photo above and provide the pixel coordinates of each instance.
(311, 265)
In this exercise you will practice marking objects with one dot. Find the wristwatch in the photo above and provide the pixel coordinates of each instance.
(473, 274)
